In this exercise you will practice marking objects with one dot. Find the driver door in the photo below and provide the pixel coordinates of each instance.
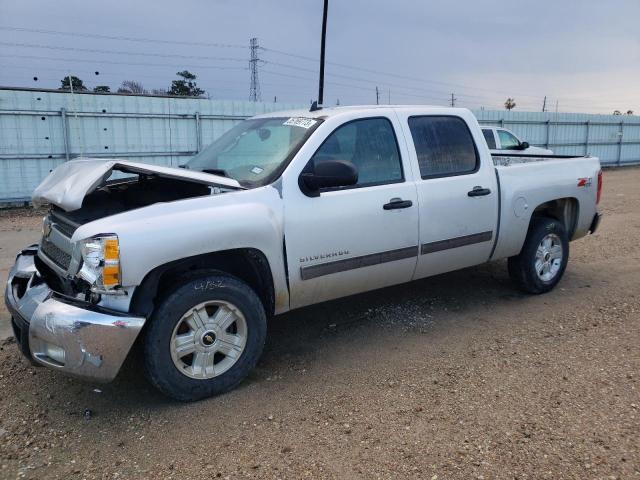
(358, 238)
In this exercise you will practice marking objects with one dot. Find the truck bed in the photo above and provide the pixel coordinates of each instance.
(529, 181)
(507, 159)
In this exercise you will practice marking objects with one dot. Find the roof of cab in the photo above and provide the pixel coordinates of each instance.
(326, 112)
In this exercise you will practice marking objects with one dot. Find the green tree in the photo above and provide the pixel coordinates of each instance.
(75, 82)
(102, 89)
(510, 104)
(186, 86)
(617, 112)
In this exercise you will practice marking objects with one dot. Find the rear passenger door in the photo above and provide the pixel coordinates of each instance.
(457, 192)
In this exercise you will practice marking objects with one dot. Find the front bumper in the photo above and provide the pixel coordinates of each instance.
(66, 334)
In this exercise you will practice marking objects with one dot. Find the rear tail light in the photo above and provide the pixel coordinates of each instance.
(599, 187)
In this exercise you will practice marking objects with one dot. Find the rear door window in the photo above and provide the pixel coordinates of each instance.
(444, 146)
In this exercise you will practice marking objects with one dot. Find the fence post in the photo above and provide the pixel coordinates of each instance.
(502, 122)
(548, 127)
(65, 133)
(198, 133)
(586, 140)
(620, 142)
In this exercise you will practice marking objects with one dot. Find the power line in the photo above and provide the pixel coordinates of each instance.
(367, 80)
(403, 77)
(346, 85)
(116, 52)
(115, 37)
(111, 62)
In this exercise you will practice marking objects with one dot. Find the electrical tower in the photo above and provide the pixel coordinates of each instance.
(254, 89)
(453, 100)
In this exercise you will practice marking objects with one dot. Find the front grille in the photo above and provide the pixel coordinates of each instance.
(55, 254)
(64, 225)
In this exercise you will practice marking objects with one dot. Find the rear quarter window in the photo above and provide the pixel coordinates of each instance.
(490, 138)
(444, 146)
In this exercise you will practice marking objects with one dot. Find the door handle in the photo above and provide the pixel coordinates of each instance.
(479, 192)
(396, 203)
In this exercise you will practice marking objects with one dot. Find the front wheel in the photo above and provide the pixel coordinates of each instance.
(543, 259)
(205, 337)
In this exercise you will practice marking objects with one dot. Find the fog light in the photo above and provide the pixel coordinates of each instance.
(55, 353)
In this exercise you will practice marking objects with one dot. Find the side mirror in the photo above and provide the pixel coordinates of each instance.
(328, 174)
(524, 145)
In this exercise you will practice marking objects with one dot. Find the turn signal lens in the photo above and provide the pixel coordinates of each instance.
(111, 249)
(111, 275)
(599, 192)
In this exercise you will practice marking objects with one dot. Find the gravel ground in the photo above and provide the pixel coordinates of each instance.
(457, 376)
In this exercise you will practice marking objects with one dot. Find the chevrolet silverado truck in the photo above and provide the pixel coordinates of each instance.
(284, 210)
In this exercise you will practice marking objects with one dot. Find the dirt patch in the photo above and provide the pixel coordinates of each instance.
(457, 376)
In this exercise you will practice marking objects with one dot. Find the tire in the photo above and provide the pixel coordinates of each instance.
(194, 317)
(525, 269)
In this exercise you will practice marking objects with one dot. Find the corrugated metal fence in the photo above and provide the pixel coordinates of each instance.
(615, 139)
(41, 129)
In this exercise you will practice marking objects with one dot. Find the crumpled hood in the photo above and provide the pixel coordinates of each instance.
(68, 184)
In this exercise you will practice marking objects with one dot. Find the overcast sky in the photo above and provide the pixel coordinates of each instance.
(584, 54)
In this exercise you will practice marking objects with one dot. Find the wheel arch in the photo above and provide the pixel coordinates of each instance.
(565, 210)
(247, 264)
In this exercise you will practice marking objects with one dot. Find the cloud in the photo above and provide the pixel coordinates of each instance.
(584, 53)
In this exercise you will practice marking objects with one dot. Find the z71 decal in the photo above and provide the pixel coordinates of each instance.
(584, 182)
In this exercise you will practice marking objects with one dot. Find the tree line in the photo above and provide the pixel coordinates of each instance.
(184, 86)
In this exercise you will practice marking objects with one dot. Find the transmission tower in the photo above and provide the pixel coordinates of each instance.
(254, 89)
(453, 100)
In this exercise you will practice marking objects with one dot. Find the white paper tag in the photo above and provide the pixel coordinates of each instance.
(301, 122)
(257, 170)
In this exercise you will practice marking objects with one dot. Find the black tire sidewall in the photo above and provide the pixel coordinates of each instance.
(539, 229)
(159, 366)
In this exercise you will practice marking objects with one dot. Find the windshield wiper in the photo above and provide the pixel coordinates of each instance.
(216, 171)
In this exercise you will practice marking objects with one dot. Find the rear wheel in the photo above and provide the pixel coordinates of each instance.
(205, 337)
(543, 259)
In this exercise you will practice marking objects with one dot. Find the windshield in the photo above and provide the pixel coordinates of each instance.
(255, 151)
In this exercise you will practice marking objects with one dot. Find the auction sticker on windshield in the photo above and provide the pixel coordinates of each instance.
(300, 122)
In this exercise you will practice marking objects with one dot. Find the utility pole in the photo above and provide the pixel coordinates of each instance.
(254, 89)
(453, 100)
(389, 97)
(544, 104)
(377, 96)
(75, 114)
(322, 46)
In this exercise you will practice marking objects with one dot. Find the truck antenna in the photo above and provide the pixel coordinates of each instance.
(322, 45)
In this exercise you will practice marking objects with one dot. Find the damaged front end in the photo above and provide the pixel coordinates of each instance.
(63, 332)
(68, 308)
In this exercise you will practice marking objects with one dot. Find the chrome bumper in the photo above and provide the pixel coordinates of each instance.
(73, 336)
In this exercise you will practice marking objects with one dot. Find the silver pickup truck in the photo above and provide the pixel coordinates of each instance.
(284, 210)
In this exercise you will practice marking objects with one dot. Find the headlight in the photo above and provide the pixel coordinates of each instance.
(100, 262)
